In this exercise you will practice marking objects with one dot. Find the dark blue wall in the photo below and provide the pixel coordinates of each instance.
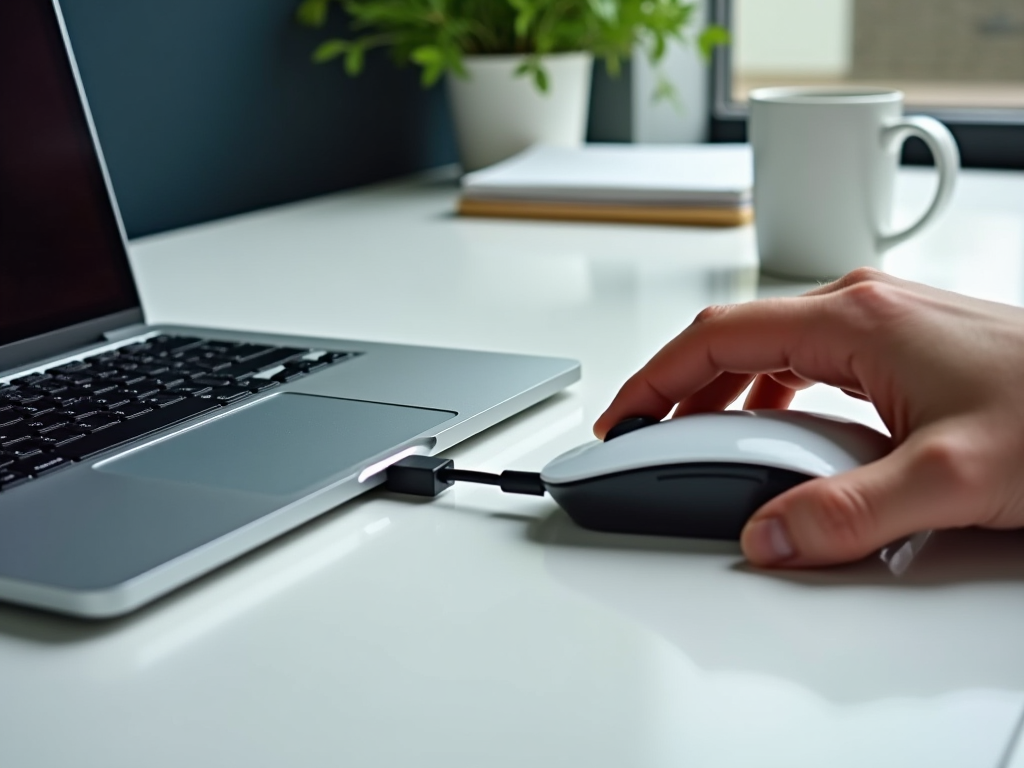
(207, 108)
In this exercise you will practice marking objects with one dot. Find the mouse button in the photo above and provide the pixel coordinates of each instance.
(575, 464)
(630, 425)
(821, 445)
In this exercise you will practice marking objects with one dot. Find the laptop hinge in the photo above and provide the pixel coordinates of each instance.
(126, 332)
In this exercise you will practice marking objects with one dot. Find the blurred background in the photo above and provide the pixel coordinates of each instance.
(208, 109)
(940, 53)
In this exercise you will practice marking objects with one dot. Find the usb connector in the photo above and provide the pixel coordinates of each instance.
(430, 475)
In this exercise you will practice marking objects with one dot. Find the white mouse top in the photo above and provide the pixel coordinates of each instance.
(818, 446)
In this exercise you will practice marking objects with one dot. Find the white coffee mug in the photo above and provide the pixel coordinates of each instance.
(825, 164)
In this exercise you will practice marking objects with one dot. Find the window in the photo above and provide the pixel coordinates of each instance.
(961, 61)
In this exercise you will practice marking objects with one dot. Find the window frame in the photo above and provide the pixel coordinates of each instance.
(988, 138)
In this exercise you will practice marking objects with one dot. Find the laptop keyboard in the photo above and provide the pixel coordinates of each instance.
(74, 411)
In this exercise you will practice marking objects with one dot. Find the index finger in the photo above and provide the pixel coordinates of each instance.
(804, 334)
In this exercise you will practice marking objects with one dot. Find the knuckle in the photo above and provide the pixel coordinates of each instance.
(874, 303)
(861, 275)
(950, 461)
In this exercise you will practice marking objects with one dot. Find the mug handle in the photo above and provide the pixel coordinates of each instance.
(947, 159)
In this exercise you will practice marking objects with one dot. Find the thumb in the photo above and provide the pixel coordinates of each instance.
(846, 517)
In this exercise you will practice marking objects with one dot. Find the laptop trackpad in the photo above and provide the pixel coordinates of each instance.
(284, 445)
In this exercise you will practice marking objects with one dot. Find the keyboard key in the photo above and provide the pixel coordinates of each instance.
(6, 459)
(37, 408)
(144, 388)
(152, 370)
(217, 347)
(213, 381)
(98, 386)
(143, 359)
(131, 349)
(68, 368)
(58, 437)
(162, 399)
(10, 478)
(68, 397)
(186, 370)
(100, 369)
(258, 385)
(24, 448)
(168, 380)
(198, 355)
(50, 387)
(22, 397)
(130, 411)
(171, 343)
(126, 378)
(41, 464)
(46, 422)
(225, 394)
(191, 389)
(30, 379)
(73, 379)
(244, 352)
(102, 357)
(290, 373)
(110, 400)
(9, 417)
(124, 431)
(274, 356)
(79, 410)
(96, 422)
(211, 366)
(278, 355)
(13, 434)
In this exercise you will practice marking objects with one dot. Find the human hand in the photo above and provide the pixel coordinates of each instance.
(944, 371)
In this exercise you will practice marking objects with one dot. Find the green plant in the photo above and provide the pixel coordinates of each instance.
(435, 34)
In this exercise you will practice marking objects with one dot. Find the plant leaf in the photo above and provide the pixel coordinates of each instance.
(426, 55)
(665, 91)
(432, 59)
(607, 10)
(540, 77)
(330, 49)
(523, 21)
(710, 38)
(354, 60)
(312, 13)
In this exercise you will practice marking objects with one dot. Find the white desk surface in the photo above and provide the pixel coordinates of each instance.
(486, 630)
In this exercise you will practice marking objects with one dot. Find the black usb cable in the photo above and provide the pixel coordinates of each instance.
(429, 475)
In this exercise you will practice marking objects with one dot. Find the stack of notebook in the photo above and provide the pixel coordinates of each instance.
(697, 184)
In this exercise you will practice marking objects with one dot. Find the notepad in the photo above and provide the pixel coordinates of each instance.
(701, 184)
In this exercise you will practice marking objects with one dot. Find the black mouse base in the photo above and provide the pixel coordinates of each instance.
(705, 501)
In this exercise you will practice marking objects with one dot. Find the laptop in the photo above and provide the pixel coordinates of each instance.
(134, 458)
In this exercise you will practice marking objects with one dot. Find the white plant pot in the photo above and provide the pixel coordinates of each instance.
(498, 113)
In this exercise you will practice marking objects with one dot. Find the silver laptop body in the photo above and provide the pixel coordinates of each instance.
(103, 534)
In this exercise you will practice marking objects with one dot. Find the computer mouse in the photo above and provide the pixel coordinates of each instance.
(703, 475)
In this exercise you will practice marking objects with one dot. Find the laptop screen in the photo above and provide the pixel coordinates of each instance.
(62, 260)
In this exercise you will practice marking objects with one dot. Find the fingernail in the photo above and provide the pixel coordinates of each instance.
(767, 542)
